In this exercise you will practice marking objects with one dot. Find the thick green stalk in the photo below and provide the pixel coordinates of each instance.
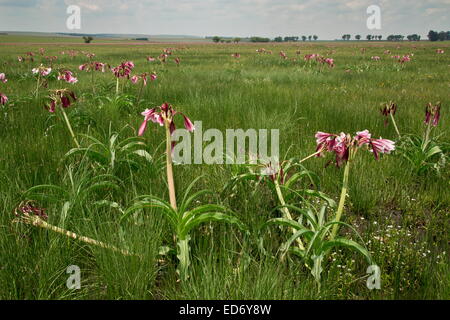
(37, 85)
(427, 137)
(285, 211)
(117, 86)
(170, 181)
(342, 198)
(69, 127)
(395, 125)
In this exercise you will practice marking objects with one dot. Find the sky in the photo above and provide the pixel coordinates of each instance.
(329, 19)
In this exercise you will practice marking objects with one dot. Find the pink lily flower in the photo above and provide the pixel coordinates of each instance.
(440, 51)
(67, 76)
(150, 59)
(3, 99)
(123, 70)
(3, 78)
(163, 114)
(42, 70)
(381, 146)
(376, 58)
(330, 62)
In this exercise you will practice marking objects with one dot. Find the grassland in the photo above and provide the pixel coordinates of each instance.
(402, 216)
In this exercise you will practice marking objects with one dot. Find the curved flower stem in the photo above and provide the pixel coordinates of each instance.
(285, 211)
(37, 85)
(343, 196)
(69, 127)
(311, 155)
(170, 182)
(117, 86)
(395, 125)
(38, 222)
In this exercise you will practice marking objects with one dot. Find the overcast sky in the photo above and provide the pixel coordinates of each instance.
(329, 19)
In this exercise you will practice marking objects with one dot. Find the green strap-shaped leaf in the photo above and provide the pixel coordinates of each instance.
(209, 217)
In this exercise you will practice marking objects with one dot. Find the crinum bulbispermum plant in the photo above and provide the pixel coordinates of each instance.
(320, 232)
(183, 218)
(62, 99)
(287, 182)
(426, 153)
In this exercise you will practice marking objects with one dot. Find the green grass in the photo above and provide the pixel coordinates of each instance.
(403, 218)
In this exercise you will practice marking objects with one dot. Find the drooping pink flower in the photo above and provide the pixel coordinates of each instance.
(378, 146)
(134, 79)
(150, 59)
(43, 71)
(440, 51)
(388, 108)
(3, 78)
(342, 144)
(67, 76)
(236, 55)
(177, 61)
(363, 137)
(163, 114)
(376, 58)
(330, 62)
(432, 114)
(3, 99)
(123, 70)
(63, 97)
(405, 58)
(283, 55)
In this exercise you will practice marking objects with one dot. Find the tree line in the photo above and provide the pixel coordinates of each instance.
(438, 36)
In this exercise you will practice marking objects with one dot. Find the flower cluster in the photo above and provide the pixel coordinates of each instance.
(143, 77)
(342, 144)
(164, 114)
(95, 65)
(440, 51)
(67, 76)
(30, 209)
(432, 114)
(62, 97)
(376, 58)
(387, 109)
(123, 70)
(43, 71)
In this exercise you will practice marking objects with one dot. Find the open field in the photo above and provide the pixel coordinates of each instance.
(400, 210)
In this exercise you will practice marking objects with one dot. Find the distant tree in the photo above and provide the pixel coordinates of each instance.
(315, 37)
(309, 38)
(216, 39)
(304, 38)
(228, 41)
(358, 37)
(259, 39)
(278, 39)
(433, 35)
(87, 39)
(292, 38)
(236, 40)
(380, 37)
(442, 36)
(369, 37)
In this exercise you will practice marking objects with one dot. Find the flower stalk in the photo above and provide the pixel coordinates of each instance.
(169, 166)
